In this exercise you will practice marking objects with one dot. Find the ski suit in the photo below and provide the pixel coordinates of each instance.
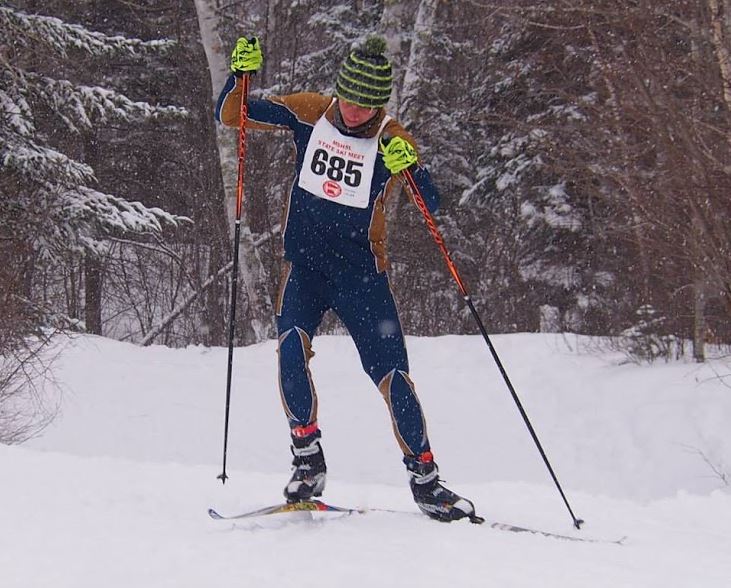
(334, 249)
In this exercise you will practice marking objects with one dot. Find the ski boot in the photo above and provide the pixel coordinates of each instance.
(433, 499)
(308, 478)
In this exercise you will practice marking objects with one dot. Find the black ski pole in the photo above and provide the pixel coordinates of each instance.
(243, 112)
(436, 234)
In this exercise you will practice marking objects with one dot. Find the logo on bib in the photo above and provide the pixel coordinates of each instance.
(331, 189)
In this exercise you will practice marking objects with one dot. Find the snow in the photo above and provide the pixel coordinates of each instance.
(115, 492)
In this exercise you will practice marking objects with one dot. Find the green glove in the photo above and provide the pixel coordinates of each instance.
(398, 154)
(246, 56)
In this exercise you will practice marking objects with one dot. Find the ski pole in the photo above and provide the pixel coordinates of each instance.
(436, 234)
(243, 113)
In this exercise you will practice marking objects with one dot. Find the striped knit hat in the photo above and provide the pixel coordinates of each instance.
(365, 76)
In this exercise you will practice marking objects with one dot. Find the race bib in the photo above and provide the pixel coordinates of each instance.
(339, 168)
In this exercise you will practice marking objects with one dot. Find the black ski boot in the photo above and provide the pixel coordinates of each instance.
(431, 497)
(308, 478)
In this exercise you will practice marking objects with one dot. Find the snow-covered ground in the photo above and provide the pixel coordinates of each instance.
(115, 492)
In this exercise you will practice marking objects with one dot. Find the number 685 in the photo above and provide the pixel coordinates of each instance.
(336, 168)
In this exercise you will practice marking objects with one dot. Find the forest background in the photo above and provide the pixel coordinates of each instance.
(582, 150)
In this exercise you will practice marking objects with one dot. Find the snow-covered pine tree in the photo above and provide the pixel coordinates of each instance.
(49, 207)
(649, 156)
(50, 210)
(544, 188)
(531, 239)
(164, 162)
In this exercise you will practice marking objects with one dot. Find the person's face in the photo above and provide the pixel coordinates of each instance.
(354, 115)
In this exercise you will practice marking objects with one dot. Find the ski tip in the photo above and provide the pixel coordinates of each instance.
(214, 515)
(476, 519)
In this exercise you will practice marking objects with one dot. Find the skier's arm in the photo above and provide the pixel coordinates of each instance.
(262, 114)
(275, 112)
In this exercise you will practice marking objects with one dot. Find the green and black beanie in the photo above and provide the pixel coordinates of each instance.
(365, 77)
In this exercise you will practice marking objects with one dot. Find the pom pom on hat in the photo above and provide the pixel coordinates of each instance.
(374, 46)
(365, 78)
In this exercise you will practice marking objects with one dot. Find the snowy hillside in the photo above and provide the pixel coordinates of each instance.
(115, 492)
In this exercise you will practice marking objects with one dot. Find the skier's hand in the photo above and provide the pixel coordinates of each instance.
(398, 154)
(246, 56)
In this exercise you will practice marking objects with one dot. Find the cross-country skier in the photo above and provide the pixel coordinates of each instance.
(348, 152)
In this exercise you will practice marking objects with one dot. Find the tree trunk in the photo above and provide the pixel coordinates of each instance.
(720, 46)
(699, 319)
(634, 194)
(251, 270)
(414, 72)
(94, 276)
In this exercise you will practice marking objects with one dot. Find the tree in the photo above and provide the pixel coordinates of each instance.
(581, 150)
(50, 209)
(661, 122)
(171, 163)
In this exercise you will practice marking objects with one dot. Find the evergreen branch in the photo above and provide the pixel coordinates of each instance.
(29, 29)
(77, 105)
(94, 212)
(15, 113)
(44, 165)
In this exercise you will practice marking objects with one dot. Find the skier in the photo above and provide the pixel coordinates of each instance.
(348, 151)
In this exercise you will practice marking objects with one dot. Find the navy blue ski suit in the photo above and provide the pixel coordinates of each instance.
(335, 259)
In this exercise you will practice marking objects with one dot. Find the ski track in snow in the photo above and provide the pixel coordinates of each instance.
(115, 492)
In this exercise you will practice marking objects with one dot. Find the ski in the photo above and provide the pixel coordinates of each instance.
(518, 529)
(319, 506)
(314, 506)
(510, 528)
(285, 507)
(473, 518)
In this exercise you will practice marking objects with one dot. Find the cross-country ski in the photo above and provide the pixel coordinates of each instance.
(285, 508)
(318, 506)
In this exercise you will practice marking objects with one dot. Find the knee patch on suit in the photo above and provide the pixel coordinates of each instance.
(295, 380)
(407, 417)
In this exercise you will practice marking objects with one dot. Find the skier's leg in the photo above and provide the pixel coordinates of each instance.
(300, 309)
(366, 306)
(375, 327)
